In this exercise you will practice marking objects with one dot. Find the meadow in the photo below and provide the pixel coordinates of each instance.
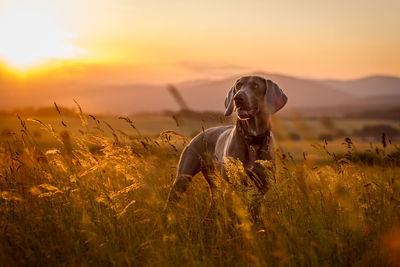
(91, 190)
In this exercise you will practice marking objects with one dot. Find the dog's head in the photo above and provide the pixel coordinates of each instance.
(253, 94)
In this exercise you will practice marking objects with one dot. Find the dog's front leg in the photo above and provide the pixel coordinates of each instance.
(178, 188)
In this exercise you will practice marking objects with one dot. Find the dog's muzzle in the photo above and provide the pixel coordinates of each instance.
(244, 114)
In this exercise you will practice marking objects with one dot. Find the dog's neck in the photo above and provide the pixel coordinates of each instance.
(257, 125)
(256, 130)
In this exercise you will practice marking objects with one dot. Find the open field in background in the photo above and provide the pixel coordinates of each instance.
(92, 192)
(296, 135)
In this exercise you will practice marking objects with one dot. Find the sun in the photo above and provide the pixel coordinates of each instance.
(30, 36)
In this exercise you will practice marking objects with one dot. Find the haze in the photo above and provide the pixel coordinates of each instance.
(70, 49)
(178, 40)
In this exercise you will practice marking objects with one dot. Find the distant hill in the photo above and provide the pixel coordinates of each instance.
(368, 86)
(306, 96)
(301, 92)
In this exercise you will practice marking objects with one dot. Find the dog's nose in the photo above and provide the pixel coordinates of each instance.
(238, 98)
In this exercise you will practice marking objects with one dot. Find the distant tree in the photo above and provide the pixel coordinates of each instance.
(327, 122)
(294, 136)
(44, 111)
(374, 132)
(325, 136)
(386, 114)
(6, 132)
(340, 133)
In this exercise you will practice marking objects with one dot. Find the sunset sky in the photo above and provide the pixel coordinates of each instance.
(161, 41)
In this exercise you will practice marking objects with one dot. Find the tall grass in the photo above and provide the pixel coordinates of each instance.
(97, 198)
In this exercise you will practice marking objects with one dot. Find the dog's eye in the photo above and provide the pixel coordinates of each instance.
(238, 85)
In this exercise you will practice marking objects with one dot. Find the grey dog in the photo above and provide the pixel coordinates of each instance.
(255, 99)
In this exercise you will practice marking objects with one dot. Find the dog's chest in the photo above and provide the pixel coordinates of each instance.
(252, 159)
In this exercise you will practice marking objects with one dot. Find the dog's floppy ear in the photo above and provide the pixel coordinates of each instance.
(274, 98)
(229, 101)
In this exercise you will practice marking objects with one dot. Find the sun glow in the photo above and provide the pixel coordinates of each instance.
(30, 36)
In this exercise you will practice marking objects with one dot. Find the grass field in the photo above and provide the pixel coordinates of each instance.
(88, 193)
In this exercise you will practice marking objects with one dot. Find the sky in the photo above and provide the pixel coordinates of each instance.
(169, 41)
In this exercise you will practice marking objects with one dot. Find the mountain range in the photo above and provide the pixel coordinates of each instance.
(307, 96)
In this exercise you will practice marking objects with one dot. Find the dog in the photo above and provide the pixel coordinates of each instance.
(254, 99)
